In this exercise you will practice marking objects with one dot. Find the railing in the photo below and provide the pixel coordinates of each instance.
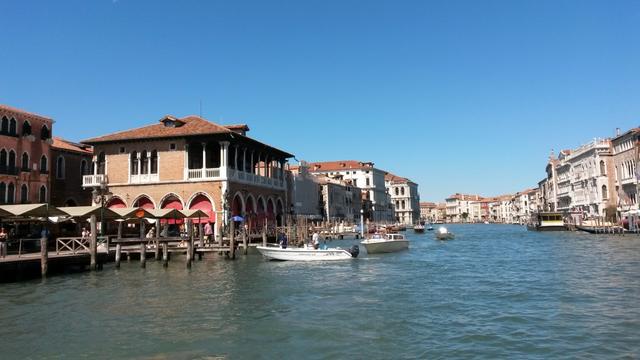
(93, 180)
(144, 178)
(79, 244)
(200, 174)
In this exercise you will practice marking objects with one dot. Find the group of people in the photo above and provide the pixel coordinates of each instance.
(283, 241)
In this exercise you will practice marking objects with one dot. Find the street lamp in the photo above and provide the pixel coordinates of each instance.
(362, 223)
(100, 195)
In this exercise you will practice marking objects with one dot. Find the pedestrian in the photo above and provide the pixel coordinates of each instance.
(208, 232)
(3, 243)
(315, 240)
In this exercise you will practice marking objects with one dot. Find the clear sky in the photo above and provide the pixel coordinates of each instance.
(459, 96)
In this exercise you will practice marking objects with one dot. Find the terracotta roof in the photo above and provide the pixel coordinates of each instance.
(62, 144)
(458, 196)
(339, 165)
(193, 125)
(183, 127)
(243, 127)
(395, 179)
(428, 204)
(16, 110)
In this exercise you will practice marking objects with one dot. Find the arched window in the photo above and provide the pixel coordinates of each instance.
(3, 159)
(24, 194)
(134, 163)
(154, 162)
(605, 195)
(12, 127)
(25, 161)
(4, 127)
(26, 128)
(144, 162)
(12, 162)
(11, 193)
(397, 191)
(45, 133)
(43, 164)
(3, 193)
(43, 194)
(102, 163)
(60, 168)
(84, 167)
(402, 191)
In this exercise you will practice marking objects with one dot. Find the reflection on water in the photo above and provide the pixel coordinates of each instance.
(494, 291)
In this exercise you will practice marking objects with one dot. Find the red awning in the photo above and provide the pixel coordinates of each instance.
(202, 203)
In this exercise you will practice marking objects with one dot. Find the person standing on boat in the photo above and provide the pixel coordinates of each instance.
(283, 240)
(315, 240)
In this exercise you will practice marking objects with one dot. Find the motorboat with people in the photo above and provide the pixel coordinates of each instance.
(444, 234)
(385, 243)
(308, 253)
(418, 228)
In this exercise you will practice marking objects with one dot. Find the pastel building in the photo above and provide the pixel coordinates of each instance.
(70, 162)
(405, 198)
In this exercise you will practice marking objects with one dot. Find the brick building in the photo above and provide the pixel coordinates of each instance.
(70, 161)
(192, 163)
(25, 155)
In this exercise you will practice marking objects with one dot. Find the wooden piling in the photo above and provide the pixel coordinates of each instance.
(118, 255)
(201, 234)
(156, 255)
(143, 254)
(44, 255)
(93, 246)
(245, 243)
(165, 254)
(232, 245)
(189, 243)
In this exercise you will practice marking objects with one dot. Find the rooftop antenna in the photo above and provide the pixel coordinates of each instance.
(201, 108)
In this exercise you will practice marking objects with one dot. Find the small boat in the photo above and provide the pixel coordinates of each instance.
(419, 229)
(444, 234)
(601, 229)
(430, 227)
(385, 243)
(308, 253)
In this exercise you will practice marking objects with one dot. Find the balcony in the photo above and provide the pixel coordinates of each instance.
(143, 178)
(8, 170)
(203, 174)
(93, 180)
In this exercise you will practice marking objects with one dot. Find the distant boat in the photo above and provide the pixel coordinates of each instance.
(419, 228)
(385, 243)
(444, 234)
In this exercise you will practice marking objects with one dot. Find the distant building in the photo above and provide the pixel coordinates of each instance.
(25, 156)
(428, 211)
(626, 150)
(404, 197)
(376, 201)
(460, 208)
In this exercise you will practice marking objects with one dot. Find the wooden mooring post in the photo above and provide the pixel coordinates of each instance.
(264, 237)
(143, 246)
(93, 246)
(119, 246)
(165, 254)
(245, 243)
(44, 254)
(232, 245)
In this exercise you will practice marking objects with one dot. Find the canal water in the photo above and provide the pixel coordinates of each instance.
(496, 291)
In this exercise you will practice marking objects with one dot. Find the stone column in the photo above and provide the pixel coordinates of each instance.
(186, 162)
(235, 160)
(244, 159)
(149, 162)
(224, 159)
(204, 159)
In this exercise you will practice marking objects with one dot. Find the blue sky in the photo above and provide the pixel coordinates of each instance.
(460, 96)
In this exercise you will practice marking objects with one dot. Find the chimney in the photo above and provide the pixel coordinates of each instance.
(617, 131)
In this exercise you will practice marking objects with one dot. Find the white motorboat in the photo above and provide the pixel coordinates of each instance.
(385, 243)
(444, 234)
(308, 253)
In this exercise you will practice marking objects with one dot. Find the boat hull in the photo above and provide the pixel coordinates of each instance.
(303, 254)
(447, 236)
(386, 246)
(546, 228)
(418, 230)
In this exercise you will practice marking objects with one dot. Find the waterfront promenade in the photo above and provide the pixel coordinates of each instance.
(496, 291)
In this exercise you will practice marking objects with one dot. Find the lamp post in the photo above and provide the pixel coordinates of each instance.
(100, 195)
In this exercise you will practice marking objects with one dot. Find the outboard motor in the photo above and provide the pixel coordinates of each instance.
(354, 251)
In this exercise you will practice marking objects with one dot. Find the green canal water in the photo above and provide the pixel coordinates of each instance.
(496, 291)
